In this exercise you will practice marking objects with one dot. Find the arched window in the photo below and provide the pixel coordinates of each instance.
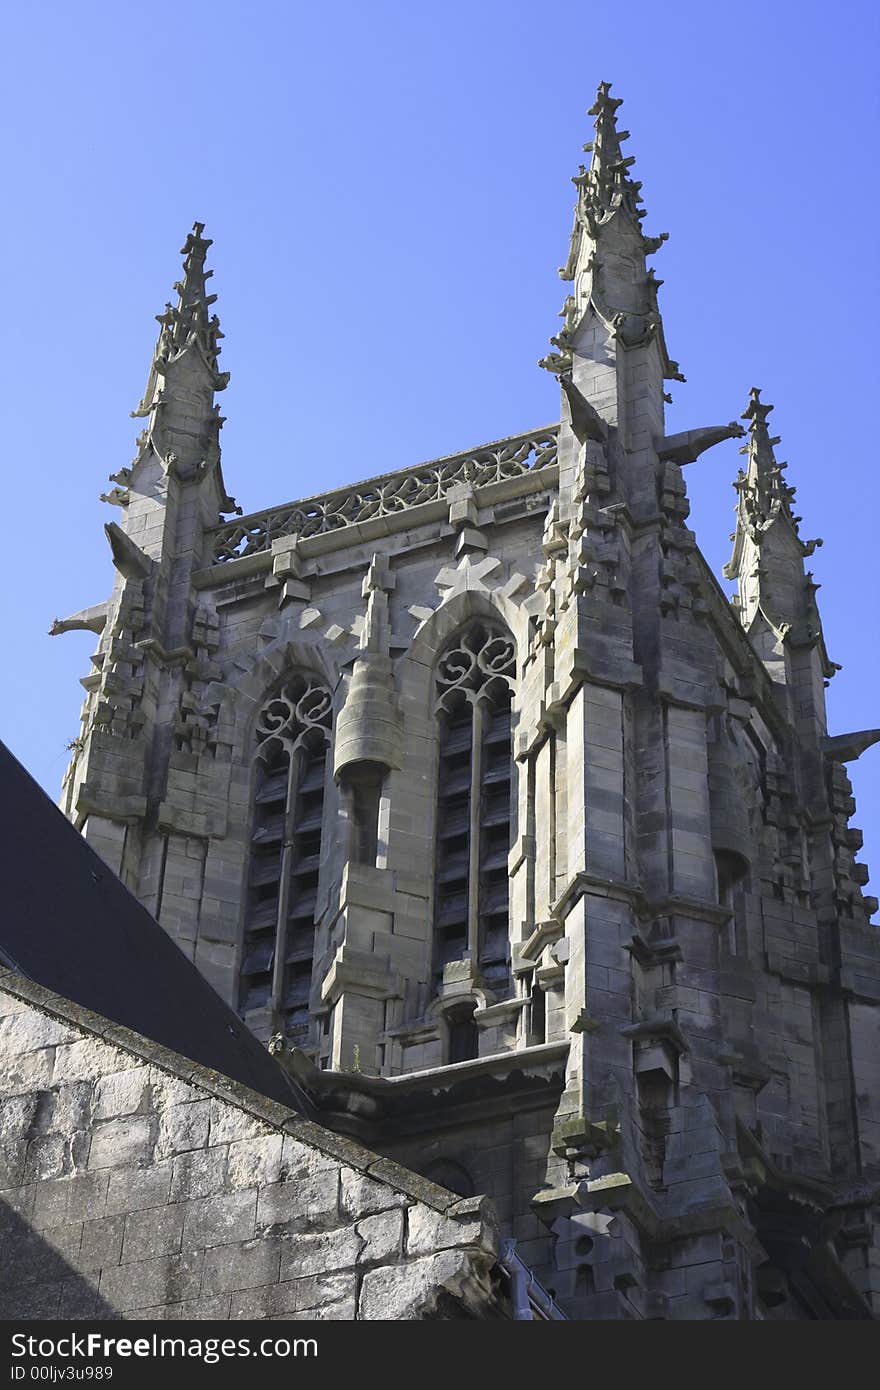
(279, 934)
(474, 685)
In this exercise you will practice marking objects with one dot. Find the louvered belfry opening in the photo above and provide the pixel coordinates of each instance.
(279, 935)
(475, 678)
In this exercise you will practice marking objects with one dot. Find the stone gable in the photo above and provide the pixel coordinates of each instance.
(136, 1184)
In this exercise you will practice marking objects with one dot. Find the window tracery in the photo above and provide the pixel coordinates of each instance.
(474, 684)
(292, 732)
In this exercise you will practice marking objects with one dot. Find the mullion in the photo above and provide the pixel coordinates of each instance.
(305, 849)
(494, 845)
(260, 939)
(453, 817)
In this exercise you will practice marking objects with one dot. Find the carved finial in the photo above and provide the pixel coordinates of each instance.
(764, 502)
(756, 408)
(377, 584)
(608, 214)
(762, 493)
(606, 186)
(188, 323)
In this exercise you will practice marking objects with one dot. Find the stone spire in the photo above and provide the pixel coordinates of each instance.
(763, 495)
(606, 259)
(184, 422)
(171, 496)
(763, 505)
(776, 599)
(606, 187)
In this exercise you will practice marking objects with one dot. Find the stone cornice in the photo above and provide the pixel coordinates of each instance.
(586, 884)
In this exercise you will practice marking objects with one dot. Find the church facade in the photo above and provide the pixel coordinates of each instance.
(523, 847)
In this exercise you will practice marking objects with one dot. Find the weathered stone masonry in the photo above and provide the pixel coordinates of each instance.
(135, 1184)
(653, 1037)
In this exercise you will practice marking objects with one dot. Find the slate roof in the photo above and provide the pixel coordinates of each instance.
(69, 924)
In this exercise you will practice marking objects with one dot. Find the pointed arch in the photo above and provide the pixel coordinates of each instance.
(243, 690)
(433, 634)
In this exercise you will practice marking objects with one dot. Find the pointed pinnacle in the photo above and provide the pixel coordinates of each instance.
(606, 186)
(606, 192)
(760, 445)
(763, 492)
(191, 315)
(188, 321)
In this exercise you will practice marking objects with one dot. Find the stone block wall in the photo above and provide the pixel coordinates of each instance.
(134, 1183)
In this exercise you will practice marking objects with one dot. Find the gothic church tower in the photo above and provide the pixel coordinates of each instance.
(524, 847)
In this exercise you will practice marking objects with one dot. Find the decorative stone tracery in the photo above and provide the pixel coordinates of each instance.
(474, 682)
(295, 713)
(483, 662)
(292, 734)
(397, 492)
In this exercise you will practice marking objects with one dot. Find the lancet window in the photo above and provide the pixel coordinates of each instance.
(293, 730)
(474, 687)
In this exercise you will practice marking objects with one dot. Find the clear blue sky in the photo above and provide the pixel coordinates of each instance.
(387, 185)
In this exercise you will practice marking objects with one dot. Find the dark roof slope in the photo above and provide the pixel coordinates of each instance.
(67, 922)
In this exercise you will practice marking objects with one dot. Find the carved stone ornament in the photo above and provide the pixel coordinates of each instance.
(483, 657)
(295, 714)
(396, 492)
